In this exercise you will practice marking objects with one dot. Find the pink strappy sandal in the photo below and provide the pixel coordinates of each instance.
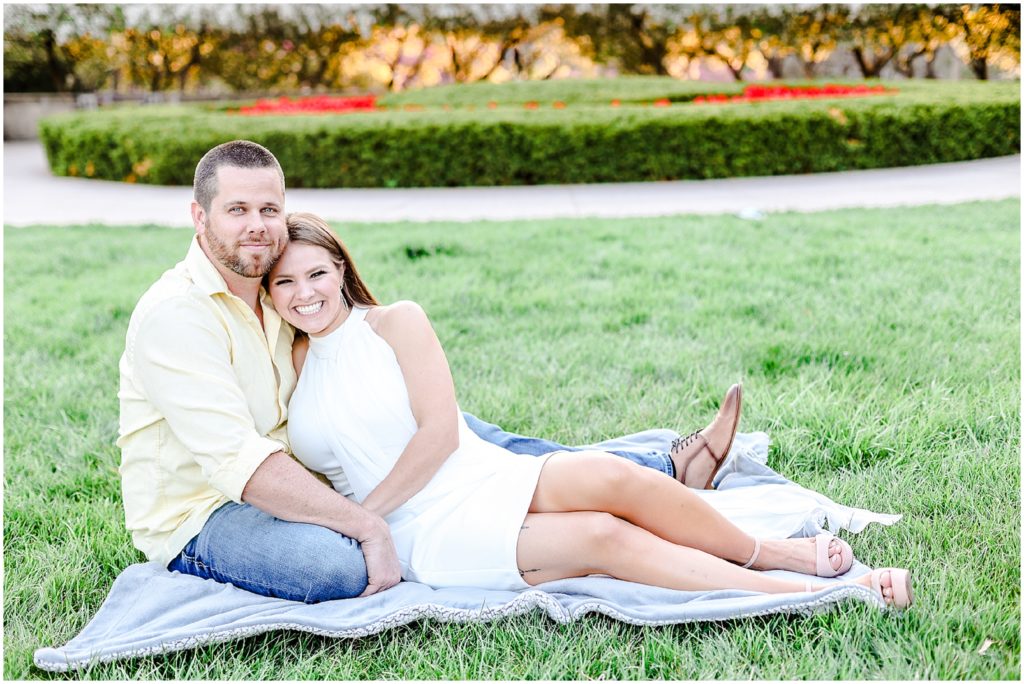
(902, 595)
(822, 568)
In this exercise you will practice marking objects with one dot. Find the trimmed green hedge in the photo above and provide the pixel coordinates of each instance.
(587, 141)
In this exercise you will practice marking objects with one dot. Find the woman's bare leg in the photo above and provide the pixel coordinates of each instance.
(596, 481)
(560, 545)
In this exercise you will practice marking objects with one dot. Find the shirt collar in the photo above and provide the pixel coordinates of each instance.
(204, 274)
(208, 279)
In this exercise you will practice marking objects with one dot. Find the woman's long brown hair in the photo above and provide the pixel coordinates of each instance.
(310, 229)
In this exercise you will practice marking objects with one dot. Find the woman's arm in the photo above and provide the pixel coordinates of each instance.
(405, 327)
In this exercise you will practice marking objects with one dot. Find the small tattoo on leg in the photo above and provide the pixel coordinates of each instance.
(522, 573)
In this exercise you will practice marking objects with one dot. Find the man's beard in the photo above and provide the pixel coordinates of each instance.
(233, 260)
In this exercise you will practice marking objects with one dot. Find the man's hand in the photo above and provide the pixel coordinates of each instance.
(382, 568)
(286, 490)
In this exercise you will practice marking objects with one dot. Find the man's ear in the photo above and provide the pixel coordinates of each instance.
(198, 217)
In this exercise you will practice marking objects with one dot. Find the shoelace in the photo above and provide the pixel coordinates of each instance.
(683, 442)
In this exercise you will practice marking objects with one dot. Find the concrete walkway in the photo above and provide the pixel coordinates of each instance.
(32, 195)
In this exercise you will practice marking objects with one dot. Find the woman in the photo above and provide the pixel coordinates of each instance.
(375, 402)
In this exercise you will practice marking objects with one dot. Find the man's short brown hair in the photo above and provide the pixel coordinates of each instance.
(243, 154)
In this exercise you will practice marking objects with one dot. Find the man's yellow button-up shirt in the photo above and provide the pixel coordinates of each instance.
(204, 395)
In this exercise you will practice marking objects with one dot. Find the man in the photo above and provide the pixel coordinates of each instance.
(208, 483)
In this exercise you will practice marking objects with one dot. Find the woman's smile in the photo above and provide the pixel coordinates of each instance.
(305, 286)
(310, 309)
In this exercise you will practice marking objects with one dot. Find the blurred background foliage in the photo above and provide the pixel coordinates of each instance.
(299, 49)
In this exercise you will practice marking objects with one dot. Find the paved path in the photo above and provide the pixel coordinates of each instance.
(32, 195)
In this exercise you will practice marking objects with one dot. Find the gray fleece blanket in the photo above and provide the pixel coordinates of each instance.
(151, 610)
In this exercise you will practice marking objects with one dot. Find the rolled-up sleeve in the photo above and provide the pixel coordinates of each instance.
(183, 364)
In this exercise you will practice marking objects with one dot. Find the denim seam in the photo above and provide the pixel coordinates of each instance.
(230, 576)
(667, 466)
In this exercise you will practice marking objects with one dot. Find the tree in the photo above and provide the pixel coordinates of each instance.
(989, 31)
(478, 39)
(159, 51)
(397, 45)
(631, 36)
(278, 51)
(53, 48)
(878, 33)
(772, 29)
(729, 37)
(930, 28)
(815, 33)
(546, 52)
(325, 34)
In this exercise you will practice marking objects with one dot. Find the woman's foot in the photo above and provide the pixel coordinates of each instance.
(892, 583)
(823, 555)
(698, 456)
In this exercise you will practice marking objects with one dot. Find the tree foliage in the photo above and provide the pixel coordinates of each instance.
(313, 48)
(991, 32)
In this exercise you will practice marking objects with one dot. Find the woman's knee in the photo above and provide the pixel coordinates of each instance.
(605, 536)
(614, 476)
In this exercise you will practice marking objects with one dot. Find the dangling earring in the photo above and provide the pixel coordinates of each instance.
(344, 301)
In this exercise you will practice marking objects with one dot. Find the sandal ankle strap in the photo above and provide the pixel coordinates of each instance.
(753, 556)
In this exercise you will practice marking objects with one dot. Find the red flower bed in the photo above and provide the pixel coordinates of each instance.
(326, 104)
(318, 104)
(761, 93)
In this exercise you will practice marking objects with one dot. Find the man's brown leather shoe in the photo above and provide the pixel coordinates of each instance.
(713, 442)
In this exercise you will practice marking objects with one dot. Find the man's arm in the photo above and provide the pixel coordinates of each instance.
(286, 490)
(182, 361)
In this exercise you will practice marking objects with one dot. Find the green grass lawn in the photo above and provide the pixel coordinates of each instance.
(879, 349)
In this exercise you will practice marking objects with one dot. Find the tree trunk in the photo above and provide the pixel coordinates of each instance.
(321, 70)
(980, 68)
(517, 59)
(870, 69)
(415, 70)
(929, 66)
(905, 65)
(775, 65)
(194, 59)
(52, 63)
(737, 74)
(456, 71)
(502, 49)
(652, 53)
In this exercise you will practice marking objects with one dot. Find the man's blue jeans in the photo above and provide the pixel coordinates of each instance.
(534, 446)
(253, 550)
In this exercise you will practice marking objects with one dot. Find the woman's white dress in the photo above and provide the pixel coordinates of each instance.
(350, 419)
